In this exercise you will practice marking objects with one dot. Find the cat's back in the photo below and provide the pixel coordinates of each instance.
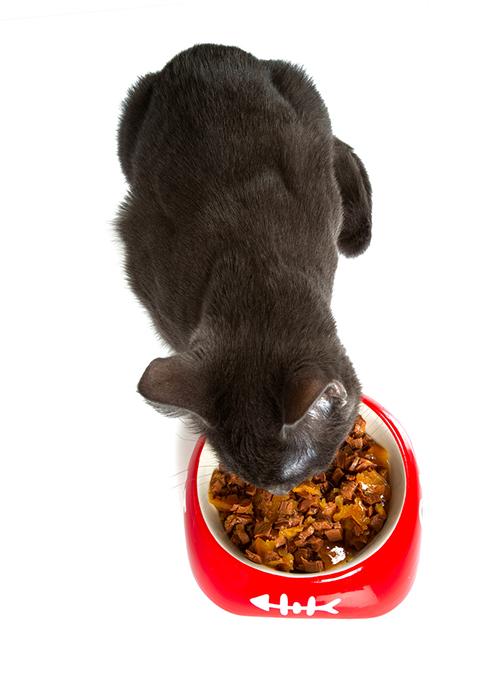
(224, 153)
(218, 116)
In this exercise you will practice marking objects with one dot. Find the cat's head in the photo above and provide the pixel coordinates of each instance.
(275, 423)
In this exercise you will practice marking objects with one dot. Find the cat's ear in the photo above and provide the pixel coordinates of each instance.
(310, 393)
(176, 384)
(356, 194)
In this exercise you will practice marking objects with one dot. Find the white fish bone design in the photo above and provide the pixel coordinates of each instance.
(263, 602)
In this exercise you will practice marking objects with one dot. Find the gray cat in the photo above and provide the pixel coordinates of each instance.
(240, 199)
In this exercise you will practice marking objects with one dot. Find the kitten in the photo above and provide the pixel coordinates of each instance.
(240, 199)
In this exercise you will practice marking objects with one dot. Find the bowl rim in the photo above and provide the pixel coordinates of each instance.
(399, 447)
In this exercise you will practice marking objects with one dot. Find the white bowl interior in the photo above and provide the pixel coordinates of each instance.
(377, 429)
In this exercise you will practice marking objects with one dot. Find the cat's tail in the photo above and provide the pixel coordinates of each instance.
(355, 189)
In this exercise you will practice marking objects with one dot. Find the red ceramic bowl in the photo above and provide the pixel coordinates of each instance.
(374, 582)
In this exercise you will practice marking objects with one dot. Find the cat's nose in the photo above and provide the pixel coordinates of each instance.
(292, 474)
(280, 490)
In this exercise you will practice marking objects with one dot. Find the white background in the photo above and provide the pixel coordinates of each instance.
(95, 581)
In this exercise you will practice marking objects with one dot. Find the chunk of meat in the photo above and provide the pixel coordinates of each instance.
(334, 535)
(364, 464)
(337, 475)
(304, 534)
(239, 535)
(358, 429)
(355, 442)
(347, 489)
(232, 520)
(263, 528)
(310, 566)
(322, 524)
(287, 507)
(253, 556)
(377, 522)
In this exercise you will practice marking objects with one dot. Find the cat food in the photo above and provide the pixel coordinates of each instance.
(322, 522)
